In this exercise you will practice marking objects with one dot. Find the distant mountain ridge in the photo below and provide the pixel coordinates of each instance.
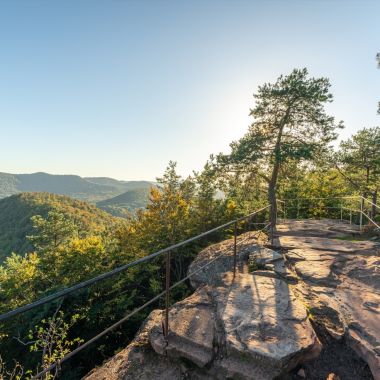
(91, 189)
(129, 201)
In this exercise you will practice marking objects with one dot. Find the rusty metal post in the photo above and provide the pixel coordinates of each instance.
(167, 294)
(235, 238)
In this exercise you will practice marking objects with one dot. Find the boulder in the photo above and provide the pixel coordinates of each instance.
(253, 329)
(265, 323)
(191, 325)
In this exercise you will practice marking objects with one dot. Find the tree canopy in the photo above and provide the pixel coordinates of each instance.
(290, 124)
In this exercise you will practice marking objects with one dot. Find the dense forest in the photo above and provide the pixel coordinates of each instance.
(287, 153)
(124, 204)
(17, 212)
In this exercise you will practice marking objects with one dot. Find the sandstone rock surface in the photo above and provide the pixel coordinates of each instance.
(256, 326)
(217, 260)
(339, 280)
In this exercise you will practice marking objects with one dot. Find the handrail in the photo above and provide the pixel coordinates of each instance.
(313, 198)
(165, 292)
(373, 204)
(117, 270)
(370, 219)
(341, 207)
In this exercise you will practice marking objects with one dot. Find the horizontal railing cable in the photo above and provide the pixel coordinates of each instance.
(318, 198)
(135, 311)
(370, 202)
(117, 270)
(370, 219)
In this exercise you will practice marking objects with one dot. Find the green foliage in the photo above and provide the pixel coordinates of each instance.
(253, 265)
(290, 124)
(360, 159)
(52, 231)
(51, 339)
(16, 213)
(18, 277)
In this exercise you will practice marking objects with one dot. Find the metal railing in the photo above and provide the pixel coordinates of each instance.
(167, 251)
(351, 211)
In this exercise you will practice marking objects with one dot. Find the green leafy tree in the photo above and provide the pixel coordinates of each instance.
(358, 160)
(207, 207)
(290, 123)
(51, 340)
(18, 278)
(52, 231)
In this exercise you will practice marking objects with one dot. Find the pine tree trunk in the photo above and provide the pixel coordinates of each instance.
(276, 167)
(272, 196)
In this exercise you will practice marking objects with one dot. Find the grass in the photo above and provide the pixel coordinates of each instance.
(253, 265)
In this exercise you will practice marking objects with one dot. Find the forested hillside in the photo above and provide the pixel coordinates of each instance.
(89, 189)
(16, 213)
(125, 203)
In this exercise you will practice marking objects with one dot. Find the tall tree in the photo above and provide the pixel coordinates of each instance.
(359, 162)
(52, 235)
(290, 123)
(52, 231)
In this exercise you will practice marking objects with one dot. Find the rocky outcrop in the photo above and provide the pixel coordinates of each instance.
(339, 281)
(250, 327)
(138, 360)
(257, 325)
(212, 264)
(192, 330)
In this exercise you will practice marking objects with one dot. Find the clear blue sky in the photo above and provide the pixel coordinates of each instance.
(118, 88)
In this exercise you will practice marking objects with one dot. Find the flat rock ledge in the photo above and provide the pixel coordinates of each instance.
(250, 327)
(339, 281)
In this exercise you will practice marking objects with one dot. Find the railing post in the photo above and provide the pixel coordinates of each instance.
(167, 294)
(284, 211)
(235, 238)
(350, 216)
(341, 212)
(361, 213)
